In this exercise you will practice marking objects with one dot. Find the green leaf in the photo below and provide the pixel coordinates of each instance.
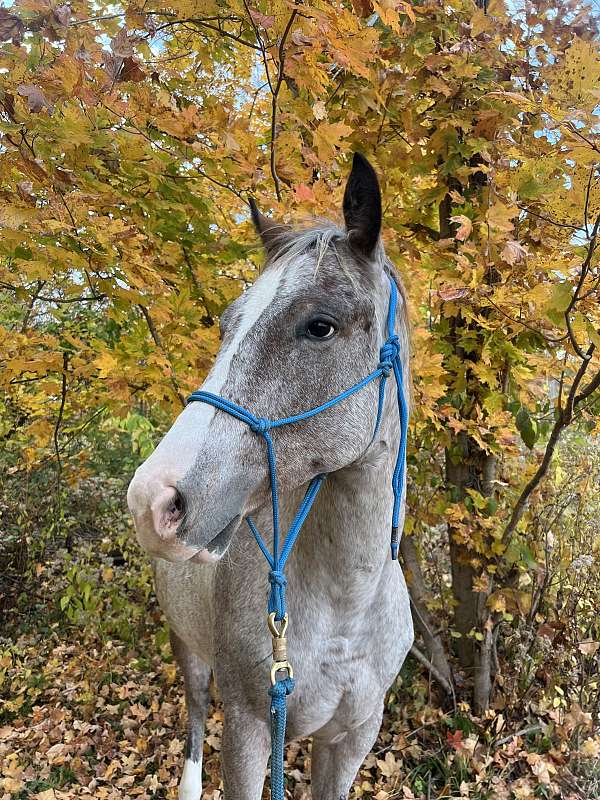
(527, 427)
(560, 298)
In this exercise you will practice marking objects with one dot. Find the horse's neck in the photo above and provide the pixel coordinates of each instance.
(346, 537)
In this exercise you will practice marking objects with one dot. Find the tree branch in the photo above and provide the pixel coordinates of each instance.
(55, 434)
(421, 618)
(157, 341)
(582, 276)
(216, 28)
(276, 90)
(564, 420)
(429, 666)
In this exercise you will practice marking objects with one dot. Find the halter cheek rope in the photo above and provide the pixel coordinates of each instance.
(389, 362)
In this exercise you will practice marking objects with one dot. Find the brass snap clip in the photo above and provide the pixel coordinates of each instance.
(279, 642)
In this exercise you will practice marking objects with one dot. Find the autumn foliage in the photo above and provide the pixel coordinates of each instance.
(131, 137)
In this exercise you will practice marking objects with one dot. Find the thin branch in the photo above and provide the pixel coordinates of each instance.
(529, 327)
(276, 90)
(421, 616)
(572, 337)
(522, 732)
(77, 22)
(582, 276)
(261, 45)
(565, 415)
(216, 28)
(229, 188)
(55, 439)
(61, 300)
(30, 305)
(157, 341)
(429, 666)
(589, 389)
(548, 219)
(587, 197)
(564, 419)
(80, 428)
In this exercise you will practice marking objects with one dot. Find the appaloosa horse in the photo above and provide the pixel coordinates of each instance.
(310, 327)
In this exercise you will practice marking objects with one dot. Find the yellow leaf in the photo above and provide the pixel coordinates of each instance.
(500, 216)
(575, 80)
(327, 137)
(319, 110)
(497, 602)
(106, 364)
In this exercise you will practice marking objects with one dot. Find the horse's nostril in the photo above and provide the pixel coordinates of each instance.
(176, 507)
(168, 509)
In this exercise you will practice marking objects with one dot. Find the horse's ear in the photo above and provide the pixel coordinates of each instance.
(269, 231)
(362, 206)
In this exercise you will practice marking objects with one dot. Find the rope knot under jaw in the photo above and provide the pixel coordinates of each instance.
(389, 352)
(260, 425)
(278, 583)
(277, 578)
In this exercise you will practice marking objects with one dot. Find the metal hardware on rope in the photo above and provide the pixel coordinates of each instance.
(389, 363)
(279, 643)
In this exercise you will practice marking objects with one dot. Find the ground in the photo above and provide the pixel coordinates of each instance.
(93, 706)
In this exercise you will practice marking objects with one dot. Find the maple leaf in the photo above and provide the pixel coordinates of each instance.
(11, 27)
(122, 45)
(363, 8)
(304, 193)
(389, 766)
(455, 739)
(264, 20)
(465, 226)
(131, 71)
(453, 293)
(62, 14)
(319, 110)
(500, 217)
(328, 137)
(588, 647)
(513, 252)
(35, 97)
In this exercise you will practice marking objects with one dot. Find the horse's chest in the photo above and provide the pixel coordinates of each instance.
(341, 685)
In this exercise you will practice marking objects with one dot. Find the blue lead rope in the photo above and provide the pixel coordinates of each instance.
(389, 362)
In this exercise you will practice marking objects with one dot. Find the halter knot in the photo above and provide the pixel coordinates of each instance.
(259, 425)
(277, 578)
(389, 352)
(276, 603)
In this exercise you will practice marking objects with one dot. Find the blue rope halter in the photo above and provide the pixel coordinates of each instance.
(389, 362)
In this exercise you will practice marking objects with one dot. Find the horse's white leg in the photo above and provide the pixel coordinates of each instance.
(244, 753)
(196, 678)
(335, 764)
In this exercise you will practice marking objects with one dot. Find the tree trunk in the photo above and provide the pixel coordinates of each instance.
(468, 466)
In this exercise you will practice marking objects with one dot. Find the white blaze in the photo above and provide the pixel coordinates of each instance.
(177, 451)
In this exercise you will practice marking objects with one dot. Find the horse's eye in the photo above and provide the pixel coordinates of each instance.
(320, 329)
